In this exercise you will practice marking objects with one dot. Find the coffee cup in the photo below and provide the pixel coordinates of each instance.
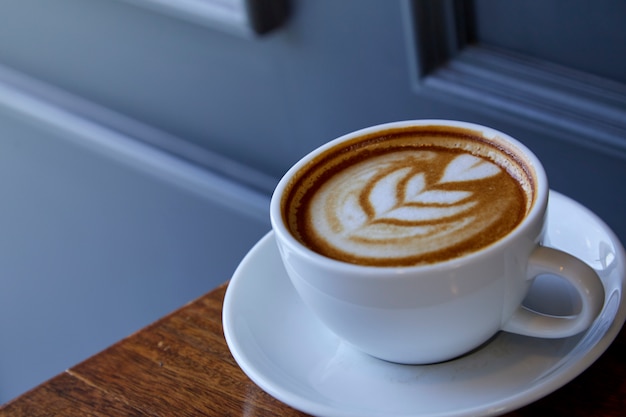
(417, 241)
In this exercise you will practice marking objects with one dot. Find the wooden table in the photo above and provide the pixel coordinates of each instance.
(181, 366)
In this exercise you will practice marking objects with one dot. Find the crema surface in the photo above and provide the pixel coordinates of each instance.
(407, 199)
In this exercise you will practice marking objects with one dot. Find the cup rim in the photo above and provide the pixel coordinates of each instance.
(535, 213)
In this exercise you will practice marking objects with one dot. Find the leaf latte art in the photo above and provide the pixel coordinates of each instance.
(409, 206)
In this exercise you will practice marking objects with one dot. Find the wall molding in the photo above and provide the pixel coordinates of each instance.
(246, 18)
(573, 106)
(138, 146)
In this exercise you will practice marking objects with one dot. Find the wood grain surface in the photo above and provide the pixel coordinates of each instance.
(181, 366)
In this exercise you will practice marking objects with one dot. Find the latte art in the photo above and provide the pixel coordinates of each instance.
(405, 204)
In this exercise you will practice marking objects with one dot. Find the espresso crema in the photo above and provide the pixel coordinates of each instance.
(408, 197)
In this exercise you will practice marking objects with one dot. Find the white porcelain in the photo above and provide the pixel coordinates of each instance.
(435, 312)
(291, 355)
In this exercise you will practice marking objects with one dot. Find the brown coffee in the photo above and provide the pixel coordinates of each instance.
(408, 196)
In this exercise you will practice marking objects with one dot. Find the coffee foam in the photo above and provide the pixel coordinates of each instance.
(408, 197)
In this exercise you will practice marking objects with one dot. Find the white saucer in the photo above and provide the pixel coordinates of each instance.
(289, 354)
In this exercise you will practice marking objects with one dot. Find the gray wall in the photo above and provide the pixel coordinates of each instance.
(100, 238)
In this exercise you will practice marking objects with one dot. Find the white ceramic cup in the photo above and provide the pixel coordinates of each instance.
(436, 312)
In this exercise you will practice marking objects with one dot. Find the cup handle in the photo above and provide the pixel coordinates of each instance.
(583, 278)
